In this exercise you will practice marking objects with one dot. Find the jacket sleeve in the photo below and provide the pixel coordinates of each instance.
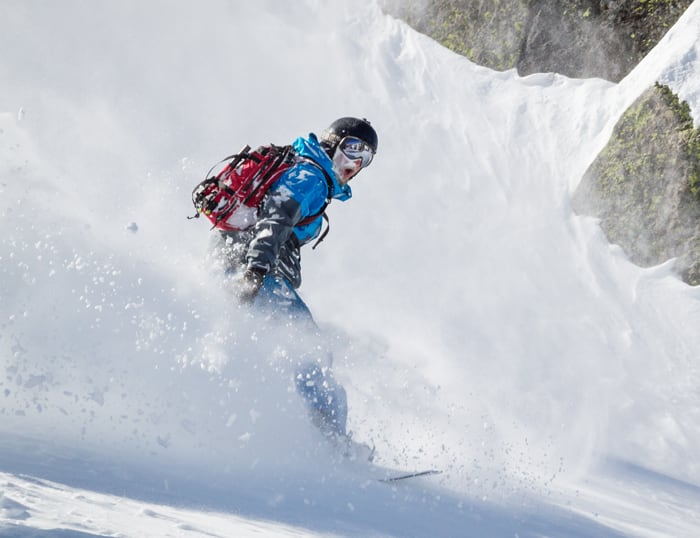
(279, 214)
(299, 193)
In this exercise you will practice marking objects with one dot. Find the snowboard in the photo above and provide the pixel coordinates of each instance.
(396, 476)
(363, 454)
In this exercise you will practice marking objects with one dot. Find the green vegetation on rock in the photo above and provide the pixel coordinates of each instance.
(638, 186)
(577, 38)
(488, 33)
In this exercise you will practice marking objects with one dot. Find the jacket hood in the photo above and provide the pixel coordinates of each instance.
(310, 147)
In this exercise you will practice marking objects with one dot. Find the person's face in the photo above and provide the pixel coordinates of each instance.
(351, 156)
(345, 169)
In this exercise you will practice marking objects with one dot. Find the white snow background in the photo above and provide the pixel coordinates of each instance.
(479, 326)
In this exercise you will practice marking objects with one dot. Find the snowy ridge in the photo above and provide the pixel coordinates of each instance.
(675, 62)
(479, 326)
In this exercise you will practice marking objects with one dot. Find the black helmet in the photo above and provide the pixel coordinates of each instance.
(343, 127)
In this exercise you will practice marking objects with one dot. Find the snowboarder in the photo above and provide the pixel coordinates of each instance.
(264, 260)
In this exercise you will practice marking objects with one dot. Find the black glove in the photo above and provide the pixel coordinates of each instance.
(250, 285)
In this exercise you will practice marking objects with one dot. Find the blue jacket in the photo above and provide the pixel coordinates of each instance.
(301, 192)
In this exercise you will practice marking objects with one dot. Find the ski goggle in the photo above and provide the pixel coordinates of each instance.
(354, 148)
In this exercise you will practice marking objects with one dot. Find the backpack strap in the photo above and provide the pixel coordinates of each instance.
(324, 233)
(322, 211)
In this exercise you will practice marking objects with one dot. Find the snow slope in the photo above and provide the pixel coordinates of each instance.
(478, 325)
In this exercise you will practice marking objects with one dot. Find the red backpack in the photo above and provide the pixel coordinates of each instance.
(231, 198)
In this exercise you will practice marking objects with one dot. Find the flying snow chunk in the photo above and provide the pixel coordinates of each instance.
(133, 227)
